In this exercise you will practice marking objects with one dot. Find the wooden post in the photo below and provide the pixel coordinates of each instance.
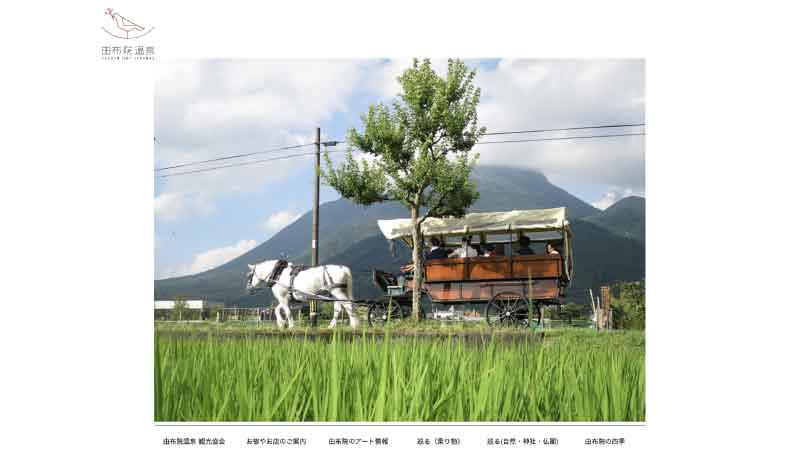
(312, 304)
(605, 305)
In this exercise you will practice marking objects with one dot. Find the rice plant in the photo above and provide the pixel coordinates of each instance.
(575, 375)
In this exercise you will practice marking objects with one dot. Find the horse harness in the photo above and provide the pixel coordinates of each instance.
(282, 264)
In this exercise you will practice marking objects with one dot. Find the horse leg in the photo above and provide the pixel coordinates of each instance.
(278, 310)
(289, 315)
(345, 303)
(348, 306)
(278, 318)
(337, 309)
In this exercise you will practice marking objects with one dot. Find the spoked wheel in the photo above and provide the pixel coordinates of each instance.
(508, 309)
(379, 313)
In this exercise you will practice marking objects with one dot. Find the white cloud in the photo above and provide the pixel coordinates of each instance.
(529, 94)
(277, 221)
(215, 108)
(210, 100)
(536, 94)
(210, 259)
(613, 196)
(209, 109)
(383, 78)
(171, 206)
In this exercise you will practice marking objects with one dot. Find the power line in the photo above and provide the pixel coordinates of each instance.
(333, 143)
(552, 138)
(561, 138)
(209, 169)
(542, 130)
(233, 156)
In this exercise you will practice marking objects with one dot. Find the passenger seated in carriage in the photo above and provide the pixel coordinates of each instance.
(551, 249)
(436, 251)
(489, 250)
(466, 250)
(524, 246)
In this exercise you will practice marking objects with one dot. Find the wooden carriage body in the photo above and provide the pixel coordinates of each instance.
(539, 277)
(479, 279)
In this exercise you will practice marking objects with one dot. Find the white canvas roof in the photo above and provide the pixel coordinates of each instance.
(490, 222)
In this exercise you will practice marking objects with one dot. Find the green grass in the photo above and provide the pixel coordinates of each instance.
(570, 375)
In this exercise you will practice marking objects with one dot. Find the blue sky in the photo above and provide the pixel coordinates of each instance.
(211, 108)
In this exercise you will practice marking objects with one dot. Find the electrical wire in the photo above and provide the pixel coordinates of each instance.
(209, 169)
(560, 138)
(543, 130)
(242, 155)
(335, 143)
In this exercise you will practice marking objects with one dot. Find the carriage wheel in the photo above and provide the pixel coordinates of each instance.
(508, 309)
(379, 313)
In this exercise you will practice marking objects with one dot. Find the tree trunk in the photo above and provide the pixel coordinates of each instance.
(416, 252)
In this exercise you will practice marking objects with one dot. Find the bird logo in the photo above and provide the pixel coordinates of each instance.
(124, 28)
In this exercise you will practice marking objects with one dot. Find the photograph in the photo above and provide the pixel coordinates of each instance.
(391, 240)
(425, 225)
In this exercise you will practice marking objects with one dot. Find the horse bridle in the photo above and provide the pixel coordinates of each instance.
(248, 283)
(271, 278)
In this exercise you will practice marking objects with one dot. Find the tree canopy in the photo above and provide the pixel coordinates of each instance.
(417, 151)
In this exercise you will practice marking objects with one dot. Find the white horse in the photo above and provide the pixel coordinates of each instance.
(335, 279)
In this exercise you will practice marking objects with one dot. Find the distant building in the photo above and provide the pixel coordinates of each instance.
(188, 304)
(193, 309)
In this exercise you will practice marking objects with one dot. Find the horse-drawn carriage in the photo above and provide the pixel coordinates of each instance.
(513, 286)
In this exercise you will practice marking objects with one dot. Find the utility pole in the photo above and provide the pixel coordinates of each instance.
(312, 304)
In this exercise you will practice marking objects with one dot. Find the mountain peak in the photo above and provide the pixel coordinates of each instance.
(624, 218)
(508, 188)
(631, 201)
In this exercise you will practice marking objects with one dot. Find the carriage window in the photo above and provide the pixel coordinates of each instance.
(492, 238)
(544, 236)
(453, 241)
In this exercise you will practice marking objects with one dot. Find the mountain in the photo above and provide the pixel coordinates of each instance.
(601, 256)
(349, 235)
(624, 218)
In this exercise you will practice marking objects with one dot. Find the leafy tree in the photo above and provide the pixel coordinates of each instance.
(325, 310)
(418, 152)
(629, 305)
(571, 311)
(216, 311)
(179, 307)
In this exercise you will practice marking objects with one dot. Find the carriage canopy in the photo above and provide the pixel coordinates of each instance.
(528, 220)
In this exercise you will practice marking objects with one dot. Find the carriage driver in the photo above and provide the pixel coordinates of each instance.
(436, 251)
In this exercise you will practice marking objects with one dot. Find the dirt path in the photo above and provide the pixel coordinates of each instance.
(470, 335)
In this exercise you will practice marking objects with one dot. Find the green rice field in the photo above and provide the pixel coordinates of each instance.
(560, 375)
